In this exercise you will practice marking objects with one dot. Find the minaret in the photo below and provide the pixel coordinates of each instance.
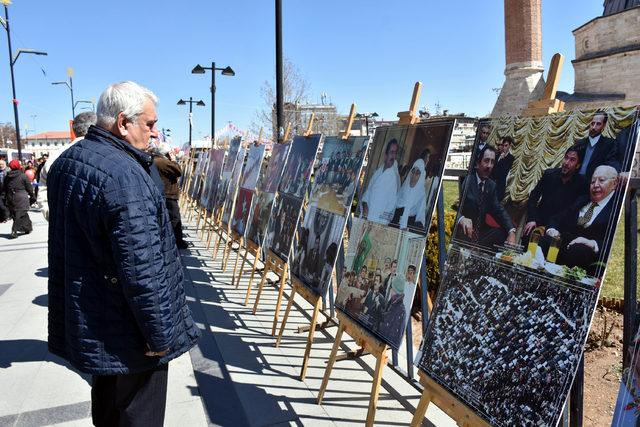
(523, 48)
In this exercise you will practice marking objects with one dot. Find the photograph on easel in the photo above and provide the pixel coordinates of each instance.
(196, 180)
(337, 173)
(378, 284)
(216, 161)
(545, 193)
(270, 180)
(233, 186)
(227, 171)
(252, 167)
(627, 410)
(282, 225)
(241, 211)
(511, 318)
(402, 177)
(299, 164)
(259, 216)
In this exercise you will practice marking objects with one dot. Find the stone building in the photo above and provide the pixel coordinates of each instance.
(607, 62)
(49, 141)
(523, 48)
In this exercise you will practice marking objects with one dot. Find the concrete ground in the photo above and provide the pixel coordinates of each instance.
(235, 376)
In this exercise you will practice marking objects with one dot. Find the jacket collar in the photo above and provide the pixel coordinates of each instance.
(98, 133)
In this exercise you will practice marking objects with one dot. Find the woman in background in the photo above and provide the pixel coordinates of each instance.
(19, 195)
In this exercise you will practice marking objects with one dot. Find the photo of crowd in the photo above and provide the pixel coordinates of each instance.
(234, 182)
(548, 201)
(260, 214)
(252, 167)
(506, 343)
(270, 180)
(337, 173)
(316, 248)
(299, 164)
(242, 210)
(216, 161)
(402, 178)
(378, 284)
(282, 225)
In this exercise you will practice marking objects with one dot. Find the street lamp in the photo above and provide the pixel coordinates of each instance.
(70, 86)
(226, 71)
(85, 101)
(190, 102)
(366, 117)
(12, 61)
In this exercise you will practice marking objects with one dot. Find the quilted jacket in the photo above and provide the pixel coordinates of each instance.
(115, 276)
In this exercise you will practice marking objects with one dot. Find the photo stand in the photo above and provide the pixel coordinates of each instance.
(280, 267)
(433, 392)
(311, 297)
(255, 250)
(411, 117)
(370, 344)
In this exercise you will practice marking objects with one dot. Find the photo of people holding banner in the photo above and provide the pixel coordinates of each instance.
(402, 175)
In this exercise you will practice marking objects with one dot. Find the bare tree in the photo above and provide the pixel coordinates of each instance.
(296, 92)
(7, 134)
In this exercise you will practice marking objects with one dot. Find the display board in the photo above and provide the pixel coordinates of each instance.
(291, 191)
(216, 161)
(265, 193)
(387, 239)
(196, 181)
(526, 262)
(247, 189)
(320, 232)
(227, 171)
(233, 186)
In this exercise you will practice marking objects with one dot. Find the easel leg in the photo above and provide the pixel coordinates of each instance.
(312, 330)
(253, 273)
(286, 316)
(226, 252)
(209, 234)
(235, 266)
(264, 279)
(332, 360)
(375, 387)
(216, 242)
(276, 314)
(244, 260)
(421, 410)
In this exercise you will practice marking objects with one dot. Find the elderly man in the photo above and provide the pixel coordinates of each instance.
(117, 307)
(379, 200)
(584, 226)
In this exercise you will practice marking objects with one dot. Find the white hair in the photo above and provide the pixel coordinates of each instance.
(125, 97)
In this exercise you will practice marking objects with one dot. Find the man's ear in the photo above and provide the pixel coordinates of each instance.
(120, 126)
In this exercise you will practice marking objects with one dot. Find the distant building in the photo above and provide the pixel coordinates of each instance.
(45, 142)
(326, 118)
(607, 59)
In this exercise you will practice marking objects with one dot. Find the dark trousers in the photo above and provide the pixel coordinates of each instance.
(131, 399)
(21, 221)
(176, 222)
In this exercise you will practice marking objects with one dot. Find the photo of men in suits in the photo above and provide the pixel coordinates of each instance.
(597, 149)
(480, 199)
(502, 166)
(583, 227)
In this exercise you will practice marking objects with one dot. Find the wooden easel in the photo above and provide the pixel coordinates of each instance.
(255, 250)
(276, 264)
(352, 115)
(371, 345)
(316, 301)
(433, 392)
(411, 117)
(548, 103)
(287, 131)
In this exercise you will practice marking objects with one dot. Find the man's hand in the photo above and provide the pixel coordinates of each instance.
(511, 238)
(552, 232)
(529, 226)
(467, 227)
(582, 241)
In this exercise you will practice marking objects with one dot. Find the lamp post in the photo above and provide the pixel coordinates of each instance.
(366, 117)
(70, 86)
(12, 61)
(84, 101)
(190, 102)
(226, 71)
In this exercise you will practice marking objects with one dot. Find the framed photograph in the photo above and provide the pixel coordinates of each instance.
(216, 161)
(242, 210)
(233, 186)
(259, 216)
(299, 165)
(282, 225)
(252, 167)
(270, 179)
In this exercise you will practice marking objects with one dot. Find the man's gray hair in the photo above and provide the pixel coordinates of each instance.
(125, 97)
(83, 121)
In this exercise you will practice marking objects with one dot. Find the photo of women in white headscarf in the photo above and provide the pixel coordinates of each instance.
(411, 202)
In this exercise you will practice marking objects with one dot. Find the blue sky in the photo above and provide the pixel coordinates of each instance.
(367, 52)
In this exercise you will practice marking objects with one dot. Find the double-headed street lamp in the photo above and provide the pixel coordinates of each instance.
(70, 86)
(12, 61)
(190, 102)
(226, 71)
(366, 117)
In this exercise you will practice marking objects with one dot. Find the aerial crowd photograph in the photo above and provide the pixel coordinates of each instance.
(333, 213)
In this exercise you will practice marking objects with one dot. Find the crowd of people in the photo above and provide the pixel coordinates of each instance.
(507, 346)
(338, 172)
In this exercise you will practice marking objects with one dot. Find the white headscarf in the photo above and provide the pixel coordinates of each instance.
(413, 199)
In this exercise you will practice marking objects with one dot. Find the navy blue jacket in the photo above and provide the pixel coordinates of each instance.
(115, 276)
